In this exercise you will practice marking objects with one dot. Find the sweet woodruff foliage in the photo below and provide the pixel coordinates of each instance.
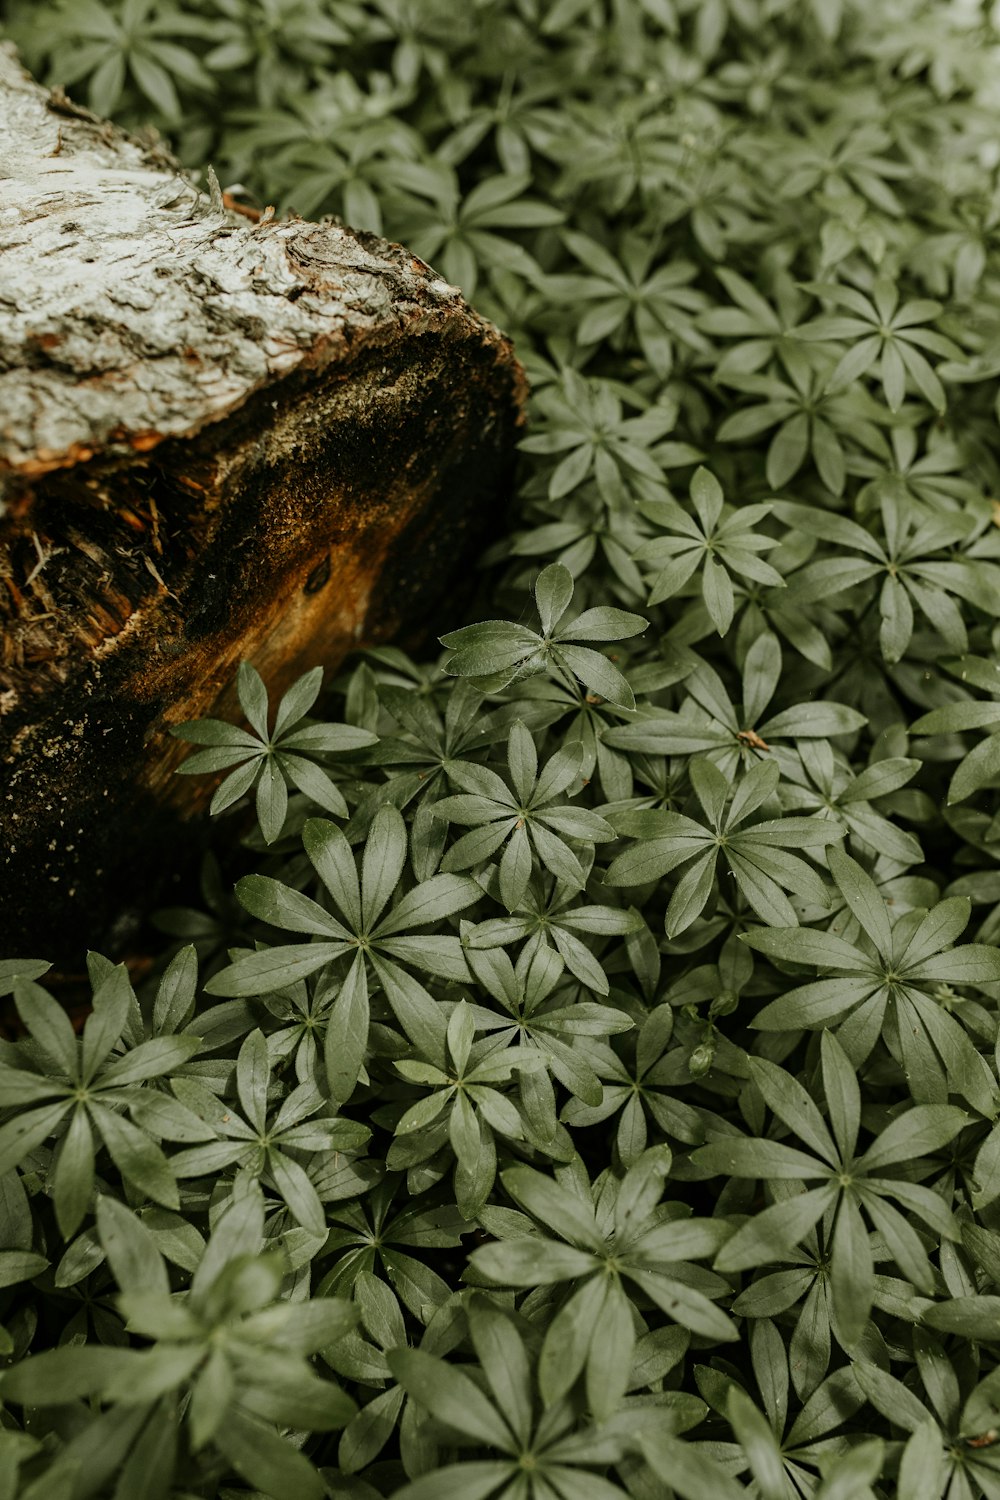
(593, 1089)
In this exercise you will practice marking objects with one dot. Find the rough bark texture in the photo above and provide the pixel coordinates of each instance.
(218, 440)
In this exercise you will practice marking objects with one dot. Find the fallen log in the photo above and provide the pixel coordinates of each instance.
(219, 440)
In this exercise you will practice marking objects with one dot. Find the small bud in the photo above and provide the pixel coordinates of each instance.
(701, 1059)
(724, 1004)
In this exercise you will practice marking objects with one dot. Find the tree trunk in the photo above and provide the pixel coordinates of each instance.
(218, 440)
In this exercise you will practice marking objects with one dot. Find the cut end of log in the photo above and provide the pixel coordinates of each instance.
(219, 440)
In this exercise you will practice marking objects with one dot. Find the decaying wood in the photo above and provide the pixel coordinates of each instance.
(219, 439)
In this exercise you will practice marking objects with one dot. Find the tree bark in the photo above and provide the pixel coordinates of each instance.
(219, 440)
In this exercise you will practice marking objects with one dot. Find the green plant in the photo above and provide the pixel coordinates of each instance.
(589, 1093)
(272, 760)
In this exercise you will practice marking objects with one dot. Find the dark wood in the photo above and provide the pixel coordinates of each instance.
(219, 440)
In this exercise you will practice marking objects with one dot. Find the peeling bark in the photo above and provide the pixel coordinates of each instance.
(218, 440)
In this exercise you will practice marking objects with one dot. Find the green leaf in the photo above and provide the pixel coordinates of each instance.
(897, 619)
(234, 786)
(137, 1158)
(21, 1135)
(973, 963)
(266, 1460)
(464, 1133)
(297, 1190)
(793, 1104)
(20, 1265)
(815, 1004)
(922, 1467)
(762, 892)
(943, 924)
(331, 857)
(62, 1375)
(332, 739)
(863, 898)
(981, 1410)
(211, 1399)
(73, 1177)
(773, 1232)
(431, 901)
(598, 674)
(298, 1402)
(553, 592)
(706, 497)
(553, 1205)
(522, 759)
(734, 1156)
(471, 1481)
(253, 1074)
(955, 718)
(758, 1443)
(382, 863)
(502, 1355)
(272, 800)
(491, 646)
(131, 1249)
(890, 1396)
(717, 591)
(852, 1271)
(848, 1476)
(530, 1262)
(978, 769)
(687, 1469)
(805, 945)
(569, 1341)
(48, 1023)
(678, 1239)
(880, 779)
(238, 1231)
(640, 1192)
(103, 1028)
(986, 1173)
(313, 781)
(614, 1338)
(298, 700)
(270, 901)
(175, 996)
(346, 1040)
(843, 1096)
(415, 1010)
(27, 969)
(917, 1132)
(161, 1054)
(969, 1317)
(215, 732)
(653, 858)
(253, 698)
(451, 1397)
(154, 1373)
(273, 968)
(604, 623)
(691, 1308)
(515, 868)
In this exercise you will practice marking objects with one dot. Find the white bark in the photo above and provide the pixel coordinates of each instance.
(134, 307)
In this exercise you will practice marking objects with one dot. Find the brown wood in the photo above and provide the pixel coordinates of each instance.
(219, 439)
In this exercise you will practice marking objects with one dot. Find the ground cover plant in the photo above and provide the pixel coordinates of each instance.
(589, 1087)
